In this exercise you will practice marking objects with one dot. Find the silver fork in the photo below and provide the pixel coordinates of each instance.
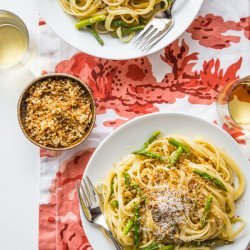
(155, 30)
(90, 205)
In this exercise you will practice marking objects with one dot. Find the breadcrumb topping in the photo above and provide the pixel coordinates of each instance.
(58, 112)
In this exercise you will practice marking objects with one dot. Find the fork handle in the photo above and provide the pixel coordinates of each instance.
(116, 243)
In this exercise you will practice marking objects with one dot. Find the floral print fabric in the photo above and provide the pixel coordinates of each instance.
(186, 76)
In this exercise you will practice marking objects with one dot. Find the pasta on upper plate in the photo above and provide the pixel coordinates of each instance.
(122, 18)
(173, 193)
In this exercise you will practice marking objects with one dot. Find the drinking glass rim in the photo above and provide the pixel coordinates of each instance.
(26, 32)
(220, 103)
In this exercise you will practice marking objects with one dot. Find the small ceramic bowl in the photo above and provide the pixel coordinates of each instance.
(22, 107)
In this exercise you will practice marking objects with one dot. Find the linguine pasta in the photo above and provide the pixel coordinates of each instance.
(120, 17)
(173, 193)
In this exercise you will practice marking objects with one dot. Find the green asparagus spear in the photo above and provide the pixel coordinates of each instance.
(131, 26)
(146, 153)
(149, 154)
(136, 28)
(90, 21)
(137, 212)
(207, 210)
(128, 31)
(179, 144)
(168, 247)
(137, 237)
(114, 203)
(127, 178)
(210, 178)
(157, 246)
(153, 246)
(119, 23)
(128, 227)
(207, 243)
(151, 139)
(95, 34)
(175, 156)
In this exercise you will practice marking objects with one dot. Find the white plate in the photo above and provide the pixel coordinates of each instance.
(63, 24)
(134, 133)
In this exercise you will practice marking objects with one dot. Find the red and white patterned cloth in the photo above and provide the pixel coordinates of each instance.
(186, 76)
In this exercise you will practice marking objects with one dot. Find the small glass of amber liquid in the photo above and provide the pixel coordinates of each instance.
(14, 41)
(233, 104)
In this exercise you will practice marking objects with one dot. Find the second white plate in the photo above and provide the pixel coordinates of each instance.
(63, 24)
(134, 133)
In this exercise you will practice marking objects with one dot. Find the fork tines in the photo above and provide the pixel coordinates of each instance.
(155, 29)
(87, 196)
(152, 33)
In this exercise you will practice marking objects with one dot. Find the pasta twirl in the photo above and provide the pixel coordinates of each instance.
(120, 17)
(173, 193)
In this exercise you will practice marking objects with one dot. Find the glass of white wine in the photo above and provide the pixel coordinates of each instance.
(233, 104)
(14, 41)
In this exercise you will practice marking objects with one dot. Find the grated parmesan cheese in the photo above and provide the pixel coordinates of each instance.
(169, 208)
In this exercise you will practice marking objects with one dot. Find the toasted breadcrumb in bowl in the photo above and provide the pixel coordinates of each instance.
(56, 111)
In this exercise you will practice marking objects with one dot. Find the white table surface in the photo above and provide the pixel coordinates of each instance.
(19, 175)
